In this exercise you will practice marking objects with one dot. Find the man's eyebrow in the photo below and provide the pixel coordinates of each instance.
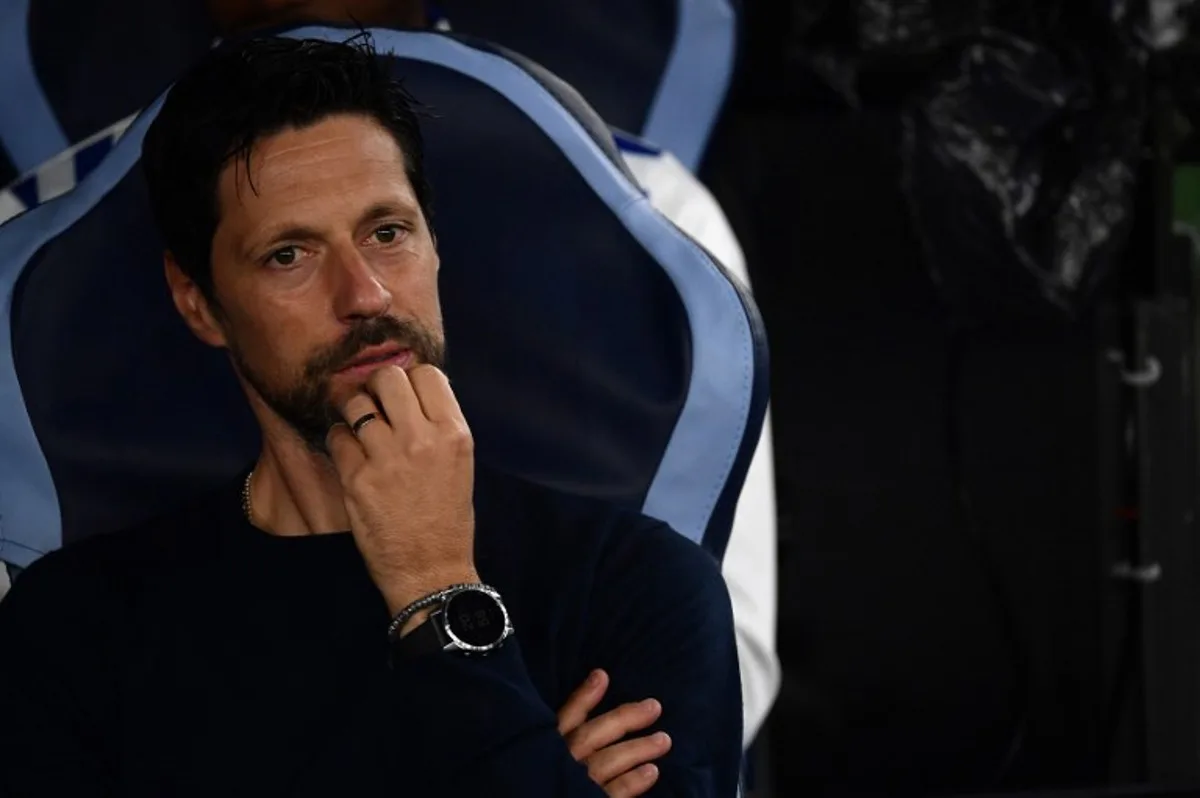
(383, 210)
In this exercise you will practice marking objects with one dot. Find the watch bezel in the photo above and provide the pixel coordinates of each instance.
(462, 645)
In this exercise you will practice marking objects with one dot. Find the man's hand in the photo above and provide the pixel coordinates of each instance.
(622, 767)
(408, 477)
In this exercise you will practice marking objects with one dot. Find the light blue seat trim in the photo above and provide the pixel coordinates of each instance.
(30, 523)
(709, 431)
(694, 84)
(29, 130)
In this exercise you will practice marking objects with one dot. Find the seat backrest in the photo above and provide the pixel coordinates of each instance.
(659, 68)
(70, 69)
(594, 347)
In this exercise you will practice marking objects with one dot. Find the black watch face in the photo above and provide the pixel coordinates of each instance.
(475, 618)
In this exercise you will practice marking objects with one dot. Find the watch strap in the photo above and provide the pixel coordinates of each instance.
(426, 638)
(436, 632)
(425, 602)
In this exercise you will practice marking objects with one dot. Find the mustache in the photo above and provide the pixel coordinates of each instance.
(375, 332)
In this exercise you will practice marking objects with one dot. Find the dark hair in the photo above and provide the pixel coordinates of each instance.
(243, 92)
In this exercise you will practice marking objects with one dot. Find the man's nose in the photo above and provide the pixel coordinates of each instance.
(358, 293)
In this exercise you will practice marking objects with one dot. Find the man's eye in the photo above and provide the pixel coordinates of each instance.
(284, 256)
(388, 233)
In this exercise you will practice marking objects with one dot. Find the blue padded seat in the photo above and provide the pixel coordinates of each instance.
(659, 68)
(70, 69)
(593, 346)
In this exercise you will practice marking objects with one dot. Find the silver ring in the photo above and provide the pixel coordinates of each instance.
(363, 421)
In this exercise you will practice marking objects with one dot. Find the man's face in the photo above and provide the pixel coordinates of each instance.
(324, 269)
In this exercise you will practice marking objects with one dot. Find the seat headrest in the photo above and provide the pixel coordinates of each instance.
(69, 69)
(658, 68)
(593, 346)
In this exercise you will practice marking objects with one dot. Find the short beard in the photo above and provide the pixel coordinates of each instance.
(307, 406)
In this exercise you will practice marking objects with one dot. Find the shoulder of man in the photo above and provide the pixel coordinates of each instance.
(111, 569)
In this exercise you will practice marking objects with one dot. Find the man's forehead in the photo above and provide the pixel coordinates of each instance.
(338, 157)
(341, 143)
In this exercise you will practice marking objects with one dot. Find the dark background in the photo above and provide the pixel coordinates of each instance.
(953, 496)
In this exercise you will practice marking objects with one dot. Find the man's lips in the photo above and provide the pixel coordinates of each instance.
(376, 357)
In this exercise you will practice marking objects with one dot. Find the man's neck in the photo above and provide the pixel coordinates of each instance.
(295, 491)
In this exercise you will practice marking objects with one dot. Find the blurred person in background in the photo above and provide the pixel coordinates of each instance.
(749, 566)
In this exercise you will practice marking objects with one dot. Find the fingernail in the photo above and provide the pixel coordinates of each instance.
(648, 771)
(662, 738)
(594, 678)
(650, 705)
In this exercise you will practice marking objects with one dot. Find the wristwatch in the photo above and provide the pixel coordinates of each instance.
(469, 619)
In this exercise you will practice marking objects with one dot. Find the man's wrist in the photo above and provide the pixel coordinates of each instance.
(400, 596)
(466, 618)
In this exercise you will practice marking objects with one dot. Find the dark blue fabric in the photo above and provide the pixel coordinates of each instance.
(614, 51)
(90, 157)
(29, 130)
(570, 347)
(148, 415)
(635, 145)
(8, 171)
(70, 69)
(198, 656)
(659, 68)
(102, 60)
(27, 192)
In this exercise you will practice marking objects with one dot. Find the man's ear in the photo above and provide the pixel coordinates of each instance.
(192, 305)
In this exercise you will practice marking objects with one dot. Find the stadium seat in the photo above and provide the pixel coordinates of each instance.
(659, 68)
(69, 69)
(594, 347)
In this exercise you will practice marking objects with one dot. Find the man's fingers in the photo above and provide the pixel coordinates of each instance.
(585, 698)
(359, 405)
(438, 402)
(344, 449)
(632, 784)
(357, 409)
(391, 389)
(606, 765)
(612, 726)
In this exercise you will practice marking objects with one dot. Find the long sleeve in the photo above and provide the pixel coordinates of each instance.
(660, 623)
(197, 658)
(42, 753)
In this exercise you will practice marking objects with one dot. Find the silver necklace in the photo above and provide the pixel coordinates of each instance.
(246, 507)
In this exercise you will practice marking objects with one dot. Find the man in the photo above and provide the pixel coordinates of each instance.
(749, 565)
(248, 644)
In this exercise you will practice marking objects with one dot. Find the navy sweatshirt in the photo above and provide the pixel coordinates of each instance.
(199, 656)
